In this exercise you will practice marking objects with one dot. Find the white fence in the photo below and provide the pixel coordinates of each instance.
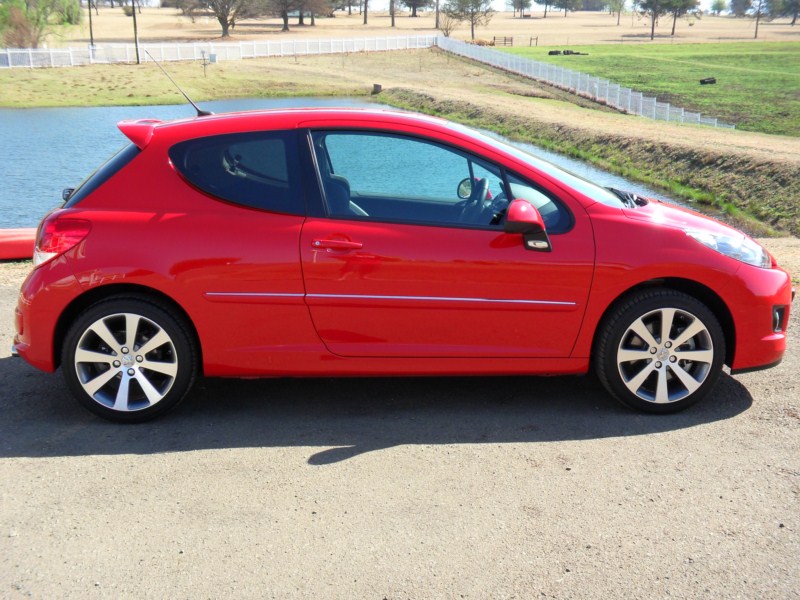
(122, 53)
(596, 88)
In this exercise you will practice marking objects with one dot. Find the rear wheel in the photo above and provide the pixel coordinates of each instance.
(129, 359)
(660, 351)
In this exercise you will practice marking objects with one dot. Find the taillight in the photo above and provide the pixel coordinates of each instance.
(57, 235)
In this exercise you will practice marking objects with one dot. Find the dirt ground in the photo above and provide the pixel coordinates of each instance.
(580, 28)
(392, 488)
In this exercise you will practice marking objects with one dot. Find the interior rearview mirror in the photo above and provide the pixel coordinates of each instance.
(522, 217)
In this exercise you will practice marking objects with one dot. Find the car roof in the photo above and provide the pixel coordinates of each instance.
(142, 131)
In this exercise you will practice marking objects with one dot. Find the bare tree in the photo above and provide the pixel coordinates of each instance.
(447, 23)
(228, 12)
(477, 13)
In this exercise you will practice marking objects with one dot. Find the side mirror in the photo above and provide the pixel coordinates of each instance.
(66, 193)
(522, 217)
(464, 189)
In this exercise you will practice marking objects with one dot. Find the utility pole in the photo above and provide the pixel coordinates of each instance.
(135, 32)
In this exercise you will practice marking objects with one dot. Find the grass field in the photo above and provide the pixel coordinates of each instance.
(757, 89)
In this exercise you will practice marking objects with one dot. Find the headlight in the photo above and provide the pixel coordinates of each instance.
(735, 245)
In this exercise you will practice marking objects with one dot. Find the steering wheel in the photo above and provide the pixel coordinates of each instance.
(473, 207)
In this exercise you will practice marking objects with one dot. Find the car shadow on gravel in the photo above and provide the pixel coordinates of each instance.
(338, 418)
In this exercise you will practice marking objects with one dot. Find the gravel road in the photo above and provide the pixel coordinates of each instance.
(401, 489)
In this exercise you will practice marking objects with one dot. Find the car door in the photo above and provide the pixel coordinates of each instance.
(402, 266)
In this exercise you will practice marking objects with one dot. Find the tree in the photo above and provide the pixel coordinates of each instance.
(25, 23)
(520, 6)
(718, 6)
(415, 5)
(781, 8)
(546, 3)
(366, 7)
(282, 8)
(739, 8)
(678, 8)
(758, 16)
(313, 8)
(617, 6)
(478, 13)
(447, 24)
(653, 9)
(572, 5)
(227, 12)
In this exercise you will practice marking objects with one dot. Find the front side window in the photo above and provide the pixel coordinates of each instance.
(258, 169)
(383, 176)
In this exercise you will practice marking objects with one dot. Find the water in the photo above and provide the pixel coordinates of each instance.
(44, 150)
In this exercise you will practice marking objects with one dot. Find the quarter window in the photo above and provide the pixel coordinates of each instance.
(259, 169)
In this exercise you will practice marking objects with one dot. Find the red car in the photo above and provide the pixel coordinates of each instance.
(346, 242)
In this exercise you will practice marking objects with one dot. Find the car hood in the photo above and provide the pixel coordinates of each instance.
(669, 215)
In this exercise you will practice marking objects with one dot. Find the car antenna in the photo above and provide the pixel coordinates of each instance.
(200, 112)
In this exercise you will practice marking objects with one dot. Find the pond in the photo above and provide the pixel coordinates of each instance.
(47, 149)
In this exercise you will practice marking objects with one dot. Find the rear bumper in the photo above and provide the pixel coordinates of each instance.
(45, 294)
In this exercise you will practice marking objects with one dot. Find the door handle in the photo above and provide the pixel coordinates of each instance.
(337, 245)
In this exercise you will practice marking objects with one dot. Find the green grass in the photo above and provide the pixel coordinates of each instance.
(757, 89)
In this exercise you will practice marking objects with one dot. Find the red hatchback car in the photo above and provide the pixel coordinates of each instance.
(346, 242)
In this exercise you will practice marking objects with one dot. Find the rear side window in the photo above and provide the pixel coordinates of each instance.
(257, 169)
(103, 174)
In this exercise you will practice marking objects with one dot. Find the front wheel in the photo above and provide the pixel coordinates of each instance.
(660, 351)
(129, 359)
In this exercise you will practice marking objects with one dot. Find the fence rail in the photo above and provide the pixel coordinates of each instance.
(126, 53)
(596, 88)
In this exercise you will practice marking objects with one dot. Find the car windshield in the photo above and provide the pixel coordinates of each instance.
(584, 186)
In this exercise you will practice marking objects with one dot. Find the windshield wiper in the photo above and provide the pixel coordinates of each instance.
(629, 199)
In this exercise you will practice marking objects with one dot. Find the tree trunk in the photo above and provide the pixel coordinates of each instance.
(285, 17)
(619, 16)
(545, 11)
(391, 11)
(674, 21)
(437, 15)
(366, 9)
(652, 25)
(225, 26)
(472, 28)
(758, 18)
(301, 17)
(313, 20)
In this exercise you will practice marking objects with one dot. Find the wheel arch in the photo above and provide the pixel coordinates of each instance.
(98, 294)
(692, 288)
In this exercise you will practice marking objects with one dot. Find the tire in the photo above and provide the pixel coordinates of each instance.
(129, 359)
(651, 374)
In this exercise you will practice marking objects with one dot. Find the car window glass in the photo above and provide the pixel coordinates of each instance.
(253, 169)
(386, 176)
(555, 216)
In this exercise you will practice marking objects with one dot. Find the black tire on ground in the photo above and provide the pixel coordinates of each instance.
(129, 359)
(659, 351)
